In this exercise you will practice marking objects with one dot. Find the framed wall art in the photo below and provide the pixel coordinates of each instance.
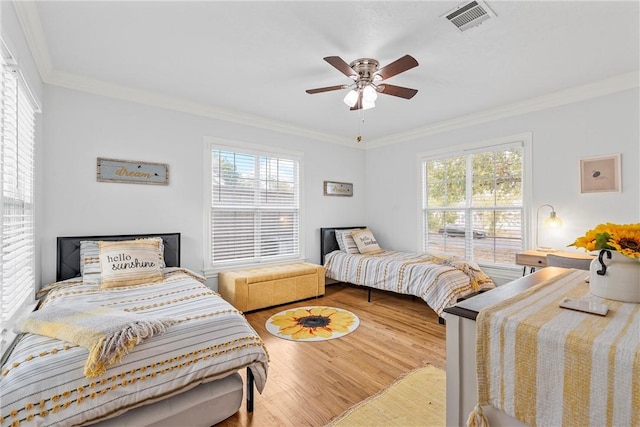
(332, 188)
(600, 174)
(132, 172)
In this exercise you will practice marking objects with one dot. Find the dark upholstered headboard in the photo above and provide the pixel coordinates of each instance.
(68, 251)
(328, 242)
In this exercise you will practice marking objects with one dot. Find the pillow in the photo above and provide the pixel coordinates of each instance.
(365, 241)
(346, 242)
(90, 261)
(130, 262)
(90, 266)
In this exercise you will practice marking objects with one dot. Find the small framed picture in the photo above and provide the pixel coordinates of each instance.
(332, 188)
(600, 174)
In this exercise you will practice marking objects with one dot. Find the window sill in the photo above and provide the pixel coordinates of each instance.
(9, 338)
(212, 272)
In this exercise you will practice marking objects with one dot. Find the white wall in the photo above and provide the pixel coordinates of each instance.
(560, 137)
(80, 127)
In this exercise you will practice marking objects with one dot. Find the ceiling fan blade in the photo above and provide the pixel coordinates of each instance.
(402, 92)
(398, 66)
(326, 89)
(358, 103)
(339, 64)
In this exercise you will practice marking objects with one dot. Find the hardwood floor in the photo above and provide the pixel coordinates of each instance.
(310, 383)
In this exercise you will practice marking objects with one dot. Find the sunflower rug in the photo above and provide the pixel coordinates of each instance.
(312, 323)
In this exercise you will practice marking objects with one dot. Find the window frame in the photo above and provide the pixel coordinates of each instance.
(524, 140)
(212, 143)
(21, 194)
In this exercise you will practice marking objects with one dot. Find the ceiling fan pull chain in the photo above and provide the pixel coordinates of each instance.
(359, 137)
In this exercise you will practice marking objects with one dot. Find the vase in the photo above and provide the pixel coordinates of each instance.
(615, 276)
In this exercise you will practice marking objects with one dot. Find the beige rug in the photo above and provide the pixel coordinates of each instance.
(416, 399)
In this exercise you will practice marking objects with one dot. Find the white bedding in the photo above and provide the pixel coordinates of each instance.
(439, 281)
(42, 382)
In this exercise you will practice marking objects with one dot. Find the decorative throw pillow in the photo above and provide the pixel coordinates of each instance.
(130, 262)
(346, 242)
(366, 242)
(90, 266)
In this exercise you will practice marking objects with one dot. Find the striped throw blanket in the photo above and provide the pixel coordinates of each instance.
(551, 366)
(107, 333)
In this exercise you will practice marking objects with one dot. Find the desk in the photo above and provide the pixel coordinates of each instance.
(533, 258)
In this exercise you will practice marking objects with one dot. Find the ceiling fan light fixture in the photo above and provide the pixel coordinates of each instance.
(351, 98)
(369, 94)
(366, 74)
(367, 104)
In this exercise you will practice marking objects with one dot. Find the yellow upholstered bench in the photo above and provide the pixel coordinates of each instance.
(262, 287)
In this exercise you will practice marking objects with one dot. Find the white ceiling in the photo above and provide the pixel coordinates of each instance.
(252, 61)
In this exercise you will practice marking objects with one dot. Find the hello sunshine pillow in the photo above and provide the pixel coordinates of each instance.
(130, 262)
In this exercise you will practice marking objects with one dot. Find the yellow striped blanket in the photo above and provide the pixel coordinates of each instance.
(551, 366)
(107, 333)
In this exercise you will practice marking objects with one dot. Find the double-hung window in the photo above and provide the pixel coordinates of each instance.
(17, 241)
(254, 206)
(472, 203)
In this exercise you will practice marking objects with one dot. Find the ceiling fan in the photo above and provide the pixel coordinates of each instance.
(368, 80)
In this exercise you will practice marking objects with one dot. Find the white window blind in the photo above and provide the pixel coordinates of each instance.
(17, 242)
(473, 204)
(255, 211)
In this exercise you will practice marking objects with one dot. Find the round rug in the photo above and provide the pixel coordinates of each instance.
(312, 323)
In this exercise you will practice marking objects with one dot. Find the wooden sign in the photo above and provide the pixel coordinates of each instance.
(338, 188)
(132, 172)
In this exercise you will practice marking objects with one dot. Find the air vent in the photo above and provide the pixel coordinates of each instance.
(469, 15)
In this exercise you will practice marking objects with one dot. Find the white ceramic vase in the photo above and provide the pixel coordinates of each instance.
(616, 278)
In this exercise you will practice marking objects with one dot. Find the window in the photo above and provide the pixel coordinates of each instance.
(17, 241)
(473, 203)
(254, 206)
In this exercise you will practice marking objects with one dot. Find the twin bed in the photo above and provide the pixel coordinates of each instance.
(440, 281)
(188, 375)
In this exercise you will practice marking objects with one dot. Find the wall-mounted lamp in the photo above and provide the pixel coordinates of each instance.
(552, 221)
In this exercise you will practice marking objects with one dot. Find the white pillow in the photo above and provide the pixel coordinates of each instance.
(90, 261)
(366, 242)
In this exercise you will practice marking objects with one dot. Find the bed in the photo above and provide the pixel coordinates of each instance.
(187, 375)
(440, 281)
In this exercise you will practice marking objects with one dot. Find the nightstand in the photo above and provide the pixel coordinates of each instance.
(533, 258)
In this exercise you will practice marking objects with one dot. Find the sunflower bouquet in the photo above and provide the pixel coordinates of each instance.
(622, 238)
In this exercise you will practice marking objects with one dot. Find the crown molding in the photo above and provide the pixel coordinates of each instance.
(580, 93)
(29, 19)
(159, 100)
